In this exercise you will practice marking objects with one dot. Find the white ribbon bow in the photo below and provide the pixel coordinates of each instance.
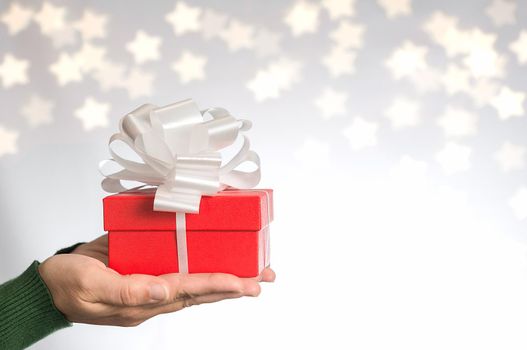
(180, 151)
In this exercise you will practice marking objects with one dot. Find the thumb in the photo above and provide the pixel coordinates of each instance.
(129, 290)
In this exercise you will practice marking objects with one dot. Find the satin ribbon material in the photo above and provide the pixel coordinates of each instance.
(180, 149)
(179, 146)
(181, 240)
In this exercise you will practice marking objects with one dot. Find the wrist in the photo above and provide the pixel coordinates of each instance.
(28, 311)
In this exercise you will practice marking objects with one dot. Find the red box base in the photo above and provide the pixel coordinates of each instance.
(242, 253)
(229, 235)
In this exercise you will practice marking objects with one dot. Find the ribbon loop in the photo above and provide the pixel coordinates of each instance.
(136, 122)
(180, 151)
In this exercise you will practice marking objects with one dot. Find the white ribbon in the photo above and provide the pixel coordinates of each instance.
(180, 149)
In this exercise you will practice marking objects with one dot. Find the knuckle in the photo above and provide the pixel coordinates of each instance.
(122, 314)
(125, 295)
(129, 295)
(239, 291)
(79, 302)
(255, 290)
(225, 283)
(214, 278)
(131, 316)
(188, 303)
(84, 282)
(183, 295)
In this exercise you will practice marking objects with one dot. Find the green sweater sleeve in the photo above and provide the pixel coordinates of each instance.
(27, 312)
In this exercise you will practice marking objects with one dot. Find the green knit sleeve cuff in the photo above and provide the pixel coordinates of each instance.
(27, 312)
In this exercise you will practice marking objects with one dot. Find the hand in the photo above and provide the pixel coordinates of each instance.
(86, 291)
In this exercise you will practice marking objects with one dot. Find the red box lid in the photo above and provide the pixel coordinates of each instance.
(229, 210)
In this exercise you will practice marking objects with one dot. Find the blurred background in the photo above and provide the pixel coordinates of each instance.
(393, 132)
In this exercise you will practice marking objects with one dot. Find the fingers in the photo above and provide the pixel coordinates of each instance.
(132, 297)
(97, 249)
(210, 298)
(136, 305)
(135, 290)
(101, 240)
(183, 303)
(130, 290)
(135, 315)
(267, 275)
(192, 285)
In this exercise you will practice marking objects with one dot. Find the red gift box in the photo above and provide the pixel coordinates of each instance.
(230, 234)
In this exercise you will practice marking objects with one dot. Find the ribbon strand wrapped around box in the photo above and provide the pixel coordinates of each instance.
(180, 148)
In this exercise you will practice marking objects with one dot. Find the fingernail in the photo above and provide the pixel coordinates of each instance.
(157, 292)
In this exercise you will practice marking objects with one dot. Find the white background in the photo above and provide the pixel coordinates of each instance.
(371, 251)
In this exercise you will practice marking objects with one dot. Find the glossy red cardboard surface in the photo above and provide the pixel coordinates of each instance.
(248, 210)
(229, 235)
(242, 253)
